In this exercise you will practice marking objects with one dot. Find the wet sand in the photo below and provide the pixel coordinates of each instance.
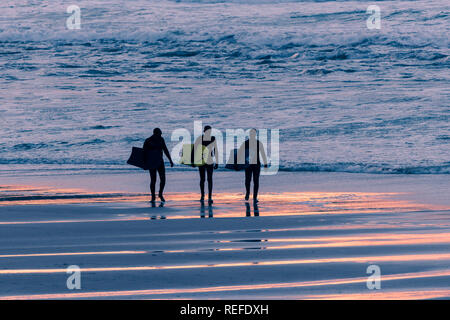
(301, 241)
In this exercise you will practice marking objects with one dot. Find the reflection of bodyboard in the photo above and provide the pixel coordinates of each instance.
(153, 159)
(198, 159)
(137, 158)
(232, 162)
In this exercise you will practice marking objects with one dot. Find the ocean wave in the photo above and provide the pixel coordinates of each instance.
(100, 127)
(179, 53)
(86, 165)
(29, 146)
(381, 126)
(116, 40)
(100, 73)
(281, 52)
(367, 168)
(355, 14)
(89, 142)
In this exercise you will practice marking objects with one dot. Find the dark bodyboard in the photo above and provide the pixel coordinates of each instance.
(150, 159)
(137, 158)
(232, 162)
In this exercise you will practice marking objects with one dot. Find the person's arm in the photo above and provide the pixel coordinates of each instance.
(167, 153)
(241, 154)
(263, 154)
(197, 142)
(214, 150)
(145, 147)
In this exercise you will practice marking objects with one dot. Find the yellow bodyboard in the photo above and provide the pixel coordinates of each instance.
(198, 159)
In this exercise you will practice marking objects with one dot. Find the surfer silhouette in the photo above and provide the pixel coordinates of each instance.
(154, 147)
(249, 155)
(209, 142)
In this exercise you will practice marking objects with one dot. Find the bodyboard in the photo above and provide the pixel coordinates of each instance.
(198, 159)
(137, 158)
(232, 162)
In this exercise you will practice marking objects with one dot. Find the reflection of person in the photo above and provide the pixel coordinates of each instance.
(156, 143)
(208, 141)
(248, 212)
(255, 209)
(248, 154)
(202, 211)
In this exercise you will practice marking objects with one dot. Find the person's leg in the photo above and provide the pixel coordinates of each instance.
(152, 183)
(209, 171)
(248, 179)
(256, 172)
(201, 170)
(162, 181)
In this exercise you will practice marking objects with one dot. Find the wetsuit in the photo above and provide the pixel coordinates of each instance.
(207, 169)
(156, 142)
(252, 170)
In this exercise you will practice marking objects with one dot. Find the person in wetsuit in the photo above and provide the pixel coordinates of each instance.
(207, 169)
(248, 154)
(155, 146)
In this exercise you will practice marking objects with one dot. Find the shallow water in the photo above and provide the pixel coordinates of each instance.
(345, 98)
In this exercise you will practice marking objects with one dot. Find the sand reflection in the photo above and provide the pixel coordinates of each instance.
(227, 204)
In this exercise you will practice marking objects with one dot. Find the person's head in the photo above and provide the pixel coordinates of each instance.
(207, 130)
(252, 133)
(157, 132)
